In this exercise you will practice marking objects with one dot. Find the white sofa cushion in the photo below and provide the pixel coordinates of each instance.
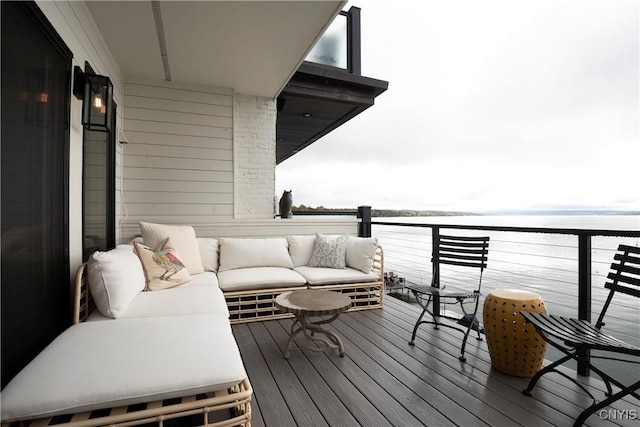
(259, 278)
(178, 301)
(208, 253)
(115, 278)
(206, 279)
(301, 249)
(316, 276)
(246, 253)
(360, 252)
(97, 365)
(183, 238)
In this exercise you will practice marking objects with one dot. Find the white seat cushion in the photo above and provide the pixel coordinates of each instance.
(259, 278)
(122, 362)
(206, 279)
(178, 302)
(326, 276)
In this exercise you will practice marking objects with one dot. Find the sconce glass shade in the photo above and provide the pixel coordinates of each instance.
(97, 103)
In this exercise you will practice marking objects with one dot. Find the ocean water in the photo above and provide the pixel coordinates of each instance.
(543, 263)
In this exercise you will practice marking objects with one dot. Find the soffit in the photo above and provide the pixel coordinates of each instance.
(253, 47)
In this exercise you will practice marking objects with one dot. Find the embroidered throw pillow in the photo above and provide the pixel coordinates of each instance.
(183, 238)
(163, 268)
(329, 252)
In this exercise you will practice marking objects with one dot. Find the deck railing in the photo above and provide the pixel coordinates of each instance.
(566, 266)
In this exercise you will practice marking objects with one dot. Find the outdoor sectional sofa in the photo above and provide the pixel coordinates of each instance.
(148, 356)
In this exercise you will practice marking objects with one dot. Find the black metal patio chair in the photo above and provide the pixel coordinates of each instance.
(576, 338)
(461, 251)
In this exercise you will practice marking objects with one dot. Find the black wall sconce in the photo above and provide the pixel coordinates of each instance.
(96, 93)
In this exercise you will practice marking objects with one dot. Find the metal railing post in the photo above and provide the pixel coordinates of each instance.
(584, 288)
(435, 262)
(364, 227)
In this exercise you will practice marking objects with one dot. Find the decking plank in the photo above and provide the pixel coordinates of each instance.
(301, 406)
(273, 409)
(395, 413)
(463, 387)
(375, 384)
(415, 394)
(333, 409)
(559, 396)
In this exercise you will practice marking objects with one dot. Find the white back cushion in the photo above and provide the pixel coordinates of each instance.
(183, 238)
(301, 249)
(360, 252)
(115, 278)
(209, 253)
(245, 253)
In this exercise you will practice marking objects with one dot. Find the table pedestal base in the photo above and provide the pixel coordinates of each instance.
(310, 329)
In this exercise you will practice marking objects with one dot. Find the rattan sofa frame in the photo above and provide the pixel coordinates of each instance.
(259, 304)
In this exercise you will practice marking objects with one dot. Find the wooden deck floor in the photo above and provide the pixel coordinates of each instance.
(383, 381)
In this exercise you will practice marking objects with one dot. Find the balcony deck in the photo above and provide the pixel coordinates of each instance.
(376, 384)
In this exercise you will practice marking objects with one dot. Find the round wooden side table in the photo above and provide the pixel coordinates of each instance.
(514, 346)
(307, 303)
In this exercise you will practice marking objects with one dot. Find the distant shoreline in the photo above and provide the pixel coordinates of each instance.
(382, 213)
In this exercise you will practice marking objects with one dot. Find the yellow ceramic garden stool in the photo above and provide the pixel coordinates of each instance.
(514, 346)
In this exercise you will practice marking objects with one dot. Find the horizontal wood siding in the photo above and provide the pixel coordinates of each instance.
(178, 165)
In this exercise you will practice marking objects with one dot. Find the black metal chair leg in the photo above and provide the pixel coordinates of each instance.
(540, 373)
(415, 328)
(464, 343)
(595, 407)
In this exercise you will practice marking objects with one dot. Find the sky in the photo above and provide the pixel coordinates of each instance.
(491, 106)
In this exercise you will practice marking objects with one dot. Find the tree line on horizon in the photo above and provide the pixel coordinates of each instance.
(377, 212)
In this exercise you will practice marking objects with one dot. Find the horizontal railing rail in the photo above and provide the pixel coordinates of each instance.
(519, 254)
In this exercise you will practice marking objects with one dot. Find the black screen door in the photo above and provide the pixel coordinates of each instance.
(36, 69)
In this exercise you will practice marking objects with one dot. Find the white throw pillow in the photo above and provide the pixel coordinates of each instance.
(329, 251)
(183, 238)
(360, 252)
(115, 279)
(209, 253)
(301, 249)
(246, 253)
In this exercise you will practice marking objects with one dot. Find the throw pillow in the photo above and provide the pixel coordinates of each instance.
(329, 252)
(163, 267)
(183, 238)
(360, 253)
(115, 279)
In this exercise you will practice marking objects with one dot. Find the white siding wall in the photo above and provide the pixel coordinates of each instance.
(73, 21)
(196, 155)
(178, 165)
(255, 156)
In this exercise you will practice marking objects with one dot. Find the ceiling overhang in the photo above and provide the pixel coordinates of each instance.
(318, 99)
(253, 47)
